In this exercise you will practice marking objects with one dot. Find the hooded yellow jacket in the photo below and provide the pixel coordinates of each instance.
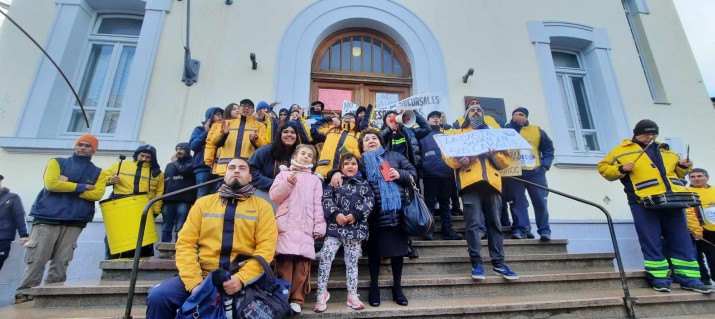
(645, 179)
(198, 246)
(151, 186)
(481, 168)
(707, 198)
(221, 148)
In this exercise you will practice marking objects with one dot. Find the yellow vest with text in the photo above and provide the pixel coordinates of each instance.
(532, 134)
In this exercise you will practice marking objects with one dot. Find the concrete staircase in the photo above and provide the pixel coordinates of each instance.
(438, 285)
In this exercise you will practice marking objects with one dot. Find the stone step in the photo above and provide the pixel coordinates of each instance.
(443, 247)
(158, 269)
(109, 293)
(580, 304)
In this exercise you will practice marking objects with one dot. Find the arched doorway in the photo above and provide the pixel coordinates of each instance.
(362, 66)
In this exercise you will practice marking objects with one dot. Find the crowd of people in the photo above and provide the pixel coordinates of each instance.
(289, 179)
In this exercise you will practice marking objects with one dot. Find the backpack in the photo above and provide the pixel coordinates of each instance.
(206, 301)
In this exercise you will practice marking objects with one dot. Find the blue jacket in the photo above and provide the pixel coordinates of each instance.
(12, 216)
(179, 175)
(197, 142)
(264, 167)
(70, 206)
(432, 163)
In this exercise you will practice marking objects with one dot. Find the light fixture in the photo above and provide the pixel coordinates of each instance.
(254, 64)
(466, 76)
(357, 51)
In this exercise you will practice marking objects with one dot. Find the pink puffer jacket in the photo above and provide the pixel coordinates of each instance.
(300, 216)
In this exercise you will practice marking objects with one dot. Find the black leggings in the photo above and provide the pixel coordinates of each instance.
(395, 262)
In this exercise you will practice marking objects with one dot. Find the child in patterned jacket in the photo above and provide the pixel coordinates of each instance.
(346, 210)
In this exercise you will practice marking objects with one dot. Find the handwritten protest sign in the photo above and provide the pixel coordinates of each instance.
(478, 142)
(348, 107)
(420, 103)
(514, 169)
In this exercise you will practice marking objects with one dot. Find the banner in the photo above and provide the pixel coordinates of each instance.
(478, 142)
(423, 104)
(349, 107)
(514, 169)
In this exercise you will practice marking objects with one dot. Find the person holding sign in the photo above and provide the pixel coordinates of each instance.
(473, 108)
(703, 233)
(534, 164)
(479, 184)
(338, 137)
(647, 168)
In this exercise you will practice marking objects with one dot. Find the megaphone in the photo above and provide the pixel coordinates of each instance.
(406, 118)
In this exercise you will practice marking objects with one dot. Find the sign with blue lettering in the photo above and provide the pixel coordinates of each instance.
(478, 142)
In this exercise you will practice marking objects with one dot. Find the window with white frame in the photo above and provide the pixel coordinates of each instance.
(573, 87)
(111, 49)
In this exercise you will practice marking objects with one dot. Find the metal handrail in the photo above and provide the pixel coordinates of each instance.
(140, 239)
(628, 300)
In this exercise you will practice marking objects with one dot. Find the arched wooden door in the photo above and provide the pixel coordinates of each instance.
(362, 66)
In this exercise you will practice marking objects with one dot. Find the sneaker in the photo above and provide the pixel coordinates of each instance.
(22, 298)
(530, 235)
(505, 272)
(322, 302)
(517, 235)
(354, 302)
(659, 288)
(545, 237)
(457, 212)
(453, 236)
(295, 307)
(478, 272)
(701, 289)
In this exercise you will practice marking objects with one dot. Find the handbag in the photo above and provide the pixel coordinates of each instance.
(417, 219)
(671, 200)
(265, 298)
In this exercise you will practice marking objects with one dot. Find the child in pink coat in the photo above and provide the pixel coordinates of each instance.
(300, 221)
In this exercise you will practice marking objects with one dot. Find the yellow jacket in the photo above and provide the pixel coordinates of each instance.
(488, 119)
(151, 186)
(331, 149)
(236, 144)
(480, 169)
(198, 246)
(707, 198)
(645, 179)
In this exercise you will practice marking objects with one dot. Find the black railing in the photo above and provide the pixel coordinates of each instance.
(140, 238)
(628, 300)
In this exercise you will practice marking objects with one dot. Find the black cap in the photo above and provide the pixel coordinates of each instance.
(434, 113)
(645, 127)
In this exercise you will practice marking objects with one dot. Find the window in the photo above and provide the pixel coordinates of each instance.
(104, 81)
(582, 94)
(632, 10)
(360, 53)
(571, 78)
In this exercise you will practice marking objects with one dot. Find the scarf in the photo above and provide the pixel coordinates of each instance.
(295, 163)
(476, 122)
(226, 193)
(389, 192)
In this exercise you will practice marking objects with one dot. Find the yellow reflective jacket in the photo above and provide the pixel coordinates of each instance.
(222, 148)
(151, 186)
(481, 169)
(645, 179)
(707, 199)
(198, 246)
(330, 151)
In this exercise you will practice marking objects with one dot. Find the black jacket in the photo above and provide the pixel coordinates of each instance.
(378, 218)
(178, 175)
(12, 216)
(412, 135)
(353, 197)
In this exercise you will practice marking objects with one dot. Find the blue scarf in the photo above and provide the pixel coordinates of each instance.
(389, 192)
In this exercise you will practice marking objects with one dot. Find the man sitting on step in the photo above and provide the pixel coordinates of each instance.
(207, 241)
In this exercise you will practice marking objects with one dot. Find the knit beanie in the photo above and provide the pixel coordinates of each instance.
(360, 109)
(645, 127)
(522, 110)
(263, 105)
(470, 100)
(89, 138)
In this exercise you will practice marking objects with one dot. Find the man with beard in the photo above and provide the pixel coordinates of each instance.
(141, 177)
(62, 209)
(534, 165)
(177, 175)
(234, 213)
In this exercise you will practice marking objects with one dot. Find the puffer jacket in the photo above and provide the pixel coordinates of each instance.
(12, 216)
(179, 175)
(482, 169)
(413, 135)
(353, 197)
(197, 142)
(433, 164)
(378, 218)
(299, 217)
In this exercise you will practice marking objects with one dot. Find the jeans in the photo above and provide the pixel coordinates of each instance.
(439, 190)
(201, 177)
(477, 200)
(514, 193)
(174, 214)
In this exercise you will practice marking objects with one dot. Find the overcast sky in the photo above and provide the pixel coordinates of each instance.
(698, 17)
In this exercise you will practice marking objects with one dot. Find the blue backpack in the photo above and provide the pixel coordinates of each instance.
(206, 302)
